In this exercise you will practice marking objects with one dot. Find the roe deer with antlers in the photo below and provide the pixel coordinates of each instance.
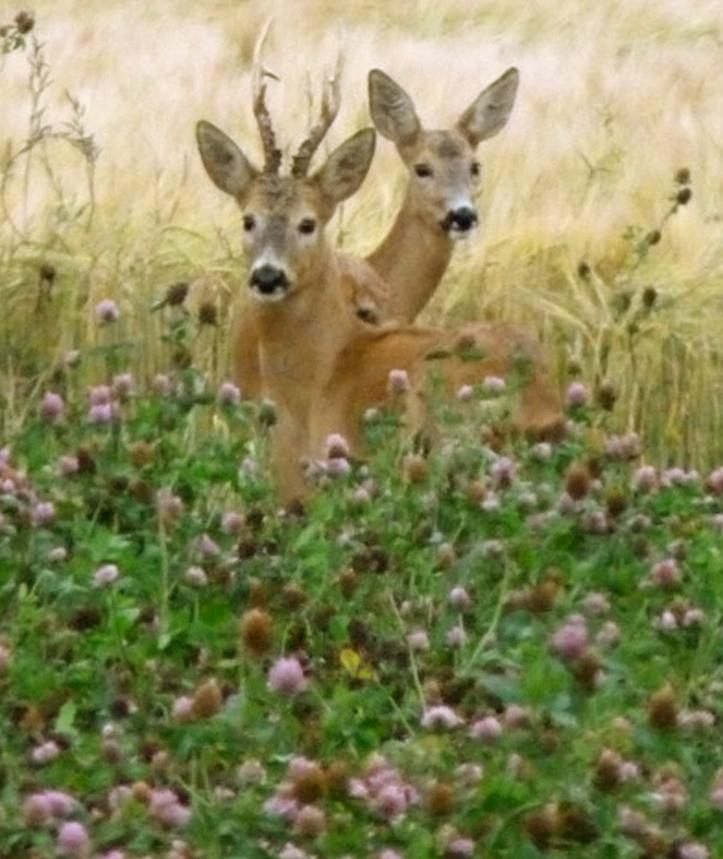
(321, 365)
(398, 278)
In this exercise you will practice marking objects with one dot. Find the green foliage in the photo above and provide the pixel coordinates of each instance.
(99, 669)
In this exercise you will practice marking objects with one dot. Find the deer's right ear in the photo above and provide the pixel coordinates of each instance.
(392, 110)
(229, 169)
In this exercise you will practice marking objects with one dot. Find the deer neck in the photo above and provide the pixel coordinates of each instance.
(301, 338)
(412, 259)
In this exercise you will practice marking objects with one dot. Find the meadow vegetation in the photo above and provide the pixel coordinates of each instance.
(493, 649)
(112, 195)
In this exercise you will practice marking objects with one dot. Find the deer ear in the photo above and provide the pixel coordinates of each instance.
(490, 111)
(346, 167)
(229, 169)
(392, 110)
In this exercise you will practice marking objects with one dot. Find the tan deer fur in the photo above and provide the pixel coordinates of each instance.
(319, 363)
(398, 278)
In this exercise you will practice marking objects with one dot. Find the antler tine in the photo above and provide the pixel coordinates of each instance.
(330, 103)
(272, 154)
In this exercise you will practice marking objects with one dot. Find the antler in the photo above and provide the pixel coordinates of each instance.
(331, 99)
(272, 154)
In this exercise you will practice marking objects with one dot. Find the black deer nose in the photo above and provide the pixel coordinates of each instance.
(462, 219)
(268, 279)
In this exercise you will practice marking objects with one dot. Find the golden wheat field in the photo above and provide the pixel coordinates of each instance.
(615, 99)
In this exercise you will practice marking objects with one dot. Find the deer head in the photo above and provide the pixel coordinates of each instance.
(444, 169)
(284, 216)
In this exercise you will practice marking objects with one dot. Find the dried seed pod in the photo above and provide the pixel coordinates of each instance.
(207, 314)
(257, 630)
(441, 799)
(25, 22)
(682, 176)
(577, 481)
(311, 785)
(176, 294)
(662, 708)
(415, 468)
(650, 296)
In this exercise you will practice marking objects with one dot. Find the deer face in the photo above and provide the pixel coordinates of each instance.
(444, 170)
(284, 216)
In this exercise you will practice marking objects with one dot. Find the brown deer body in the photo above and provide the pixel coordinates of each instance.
(320, 364)
(398, 278)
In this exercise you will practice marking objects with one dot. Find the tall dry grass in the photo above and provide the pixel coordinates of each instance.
(615, 98)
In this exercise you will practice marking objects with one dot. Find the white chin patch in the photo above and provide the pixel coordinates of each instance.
(458, 235)
(270, 297)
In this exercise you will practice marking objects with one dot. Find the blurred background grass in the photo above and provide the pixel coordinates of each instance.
(615, 99)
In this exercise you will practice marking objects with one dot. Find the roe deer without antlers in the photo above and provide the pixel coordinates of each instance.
(398, 278)
(320, 364)
(439, 205)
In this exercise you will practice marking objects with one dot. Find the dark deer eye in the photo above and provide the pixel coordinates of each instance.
(307, 226)
(475, 169)
(423, 170)
(249, 223)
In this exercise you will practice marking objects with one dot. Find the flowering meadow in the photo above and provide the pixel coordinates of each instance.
(467, 646)
(490, 648)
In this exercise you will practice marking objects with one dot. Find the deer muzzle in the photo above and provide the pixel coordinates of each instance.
(269, 283)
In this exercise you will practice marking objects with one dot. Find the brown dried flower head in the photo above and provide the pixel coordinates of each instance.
(207, 700)
(257, 631)
(577, 482)
(662, 708)
(311, 785)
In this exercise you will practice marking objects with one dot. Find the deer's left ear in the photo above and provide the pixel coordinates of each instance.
(346, 167)
(490, 111)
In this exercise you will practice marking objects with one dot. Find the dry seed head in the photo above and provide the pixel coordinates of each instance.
(86, 463)
(682, 177)
(337, 776)
(586, 671)
(683, 197)
(25, 22)
(441, 800)
(662, 709)
(650, 295)
(607, 396)
(176, 294)
(575, 824)
(294, 595)
(607, 771)
(541, 826)
(182, 358)
(542, 597)
(257, 631)
(577, 482)
(476, 492)
(141, 453)
(47, 272)
(311, 785)
(207, 700)
(415, 468)
(141, 792)
(616, 502)
(207, 314)
(142, 491)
